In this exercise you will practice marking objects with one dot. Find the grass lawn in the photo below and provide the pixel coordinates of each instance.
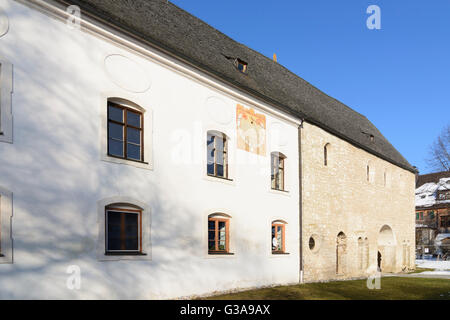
(392, 288)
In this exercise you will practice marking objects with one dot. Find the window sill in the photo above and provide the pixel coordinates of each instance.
(134, 163)
(126, 159)
(221, 178)
(215, 179)
(220, 254)
(279, 190)
(121, 254)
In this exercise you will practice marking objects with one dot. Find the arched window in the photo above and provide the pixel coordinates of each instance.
(278, 237)
(341, 250)
(217, 154)
(278, 165)
(326, 150)
(368, 173)
(125, 131)
(123, 229)
(218, 234)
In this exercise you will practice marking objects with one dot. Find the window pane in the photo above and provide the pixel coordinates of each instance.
(114, 230)
(279, 239)
(134, 135)
(134, 119)
(220, 144)
(115, 114)
(115, 148)
(131, 231)
(212, 246)
(220, 170)
(222, 236)
(115, 131)
(211, 225)
(211, 235)
(133, 152)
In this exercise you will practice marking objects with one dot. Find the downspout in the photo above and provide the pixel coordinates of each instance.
(300, 199)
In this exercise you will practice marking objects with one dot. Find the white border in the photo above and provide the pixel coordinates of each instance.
(146, 228)
(6, 215)
(136, 103)
(6, 90)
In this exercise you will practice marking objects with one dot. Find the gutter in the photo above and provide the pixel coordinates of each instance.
(300, 204)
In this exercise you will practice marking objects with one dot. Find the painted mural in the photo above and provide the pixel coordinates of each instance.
(251, 130)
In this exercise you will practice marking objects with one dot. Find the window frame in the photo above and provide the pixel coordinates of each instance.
(217, 134)
(278, 164)
(6, 215)
(125, 125)
(216, 221)
(283, 237)
(6, 91)
(140, 241)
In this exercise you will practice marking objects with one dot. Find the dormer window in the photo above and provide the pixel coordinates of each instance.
(241, 65)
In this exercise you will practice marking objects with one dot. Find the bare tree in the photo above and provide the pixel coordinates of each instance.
(439, 158)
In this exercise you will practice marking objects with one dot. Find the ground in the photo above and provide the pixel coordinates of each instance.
(392, 288)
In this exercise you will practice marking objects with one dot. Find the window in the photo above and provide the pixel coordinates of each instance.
(312, 243)
(325, 154)
(218, 235)
(123, 231)
(6, 212)
(125, 132)
(217, 155)
(278, 238)
(278, 168)
(444, 195)
(445, 222)
(368, 173)
(6, 89)
(241, 65)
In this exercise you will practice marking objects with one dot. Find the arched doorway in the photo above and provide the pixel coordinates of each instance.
(341, 249)
(386, 250)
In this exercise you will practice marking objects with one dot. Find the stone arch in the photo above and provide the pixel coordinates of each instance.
(341, 253)
(386, 249)
(366, 253)
(360, 253)
(406, 261)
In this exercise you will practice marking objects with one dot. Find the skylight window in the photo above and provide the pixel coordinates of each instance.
(241, 65)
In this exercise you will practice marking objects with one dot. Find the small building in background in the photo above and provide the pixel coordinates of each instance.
(433, 214)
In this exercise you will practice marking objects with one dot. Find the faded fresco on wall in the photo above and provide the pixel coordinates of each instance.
(251, 130)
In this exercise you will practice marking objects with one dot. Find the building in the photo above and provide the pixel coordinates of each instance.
(147, 155)
(432, 211)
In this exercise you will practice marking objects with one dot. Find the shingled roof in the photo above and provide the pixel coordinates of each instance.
(432, 178)
(166, 26)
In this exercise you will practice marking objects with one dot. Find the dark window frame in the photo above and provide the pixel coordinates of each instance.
(125, 125)
(140, 237)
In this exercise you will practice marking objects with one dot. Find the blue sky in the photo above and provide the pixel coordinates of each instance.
(399, 76)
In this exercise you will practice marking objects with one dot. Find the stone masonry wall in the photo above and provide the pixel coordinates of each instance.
(369, 216)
